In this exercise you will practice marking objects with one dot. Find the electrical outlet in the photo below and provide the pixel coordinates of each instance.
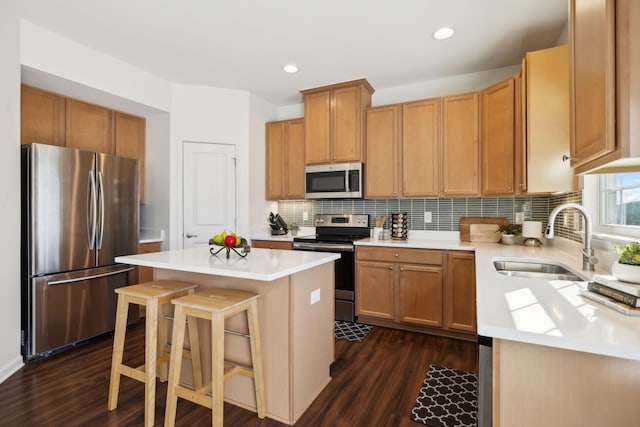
(565, 220)
(315, 296)
(305, 216)
(519, 217)
(427, 217)
(576, 221)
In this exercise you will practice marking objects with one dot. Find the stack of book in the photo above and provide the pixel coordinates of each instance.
(621, 296)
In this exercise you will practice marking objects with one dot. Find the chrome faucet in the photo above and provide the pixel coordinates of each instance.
(588, 258)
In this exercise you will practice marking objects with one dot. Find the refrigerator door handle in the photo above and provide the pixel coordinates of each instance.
(101, 211)
(95, 276)
(91, 211)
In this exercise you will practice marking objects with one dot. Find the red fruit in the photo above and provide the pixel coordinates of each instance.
(230, 241)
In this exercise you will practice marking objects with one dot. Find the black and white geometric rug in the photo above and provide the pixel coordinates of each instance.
(448, 398)
(352, 332)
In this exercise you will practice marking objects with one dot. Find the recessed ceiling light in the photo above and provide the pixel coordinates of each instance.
(443, 33)
(290, 68)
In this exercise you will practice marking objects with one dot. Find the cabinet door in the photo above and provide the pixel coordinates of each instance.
(41, 117)
(383, 151)
(275, 167)
(460, 175)
(460, 291)
(498, 139)
(420, 294)
(347, 125)
(592, 56)
(146, 273)
(89, 127)
(317, 129)
(294, 153)
(375, 289)
(130, 142)
(421, 148)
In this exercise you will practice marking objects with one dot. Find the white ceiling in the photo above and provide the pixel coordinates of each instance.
(242, 44)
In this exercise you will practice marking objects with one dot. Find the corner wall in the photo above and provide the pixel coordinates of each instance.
(10, 359)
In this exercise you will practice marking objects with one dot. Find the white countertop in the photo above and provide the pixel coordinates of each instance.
(260, 264)
(539, 311)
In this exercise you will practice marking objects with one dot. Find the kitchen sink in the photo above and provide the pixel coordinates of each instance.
(535, 270)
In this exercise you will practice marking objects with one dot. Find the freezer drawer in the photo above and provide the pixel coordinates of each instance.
(71, 307)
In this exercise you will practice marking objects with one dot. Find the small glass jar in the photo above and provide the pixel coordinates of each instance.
(386, 234)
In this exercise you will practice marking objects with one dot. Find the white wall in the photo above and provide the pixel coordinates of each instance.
(260, 113)
(10, 359)
(423, 90)
(206, 114)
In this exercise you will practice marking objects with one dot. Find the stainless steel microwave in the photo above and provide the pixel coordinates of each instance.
(334, 181)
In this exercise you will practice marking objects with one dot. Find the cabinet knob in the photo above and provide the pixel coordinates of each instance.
(391, 268)
(397, 255)
(509, 187)
(401, 269)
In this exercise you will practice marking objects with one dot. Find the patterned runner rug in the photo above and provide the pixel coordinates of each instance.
(448, 398)
(352, 332)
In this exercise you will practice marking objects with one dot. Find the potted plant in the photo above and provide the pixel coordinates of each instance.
(627, 268)
(293, 227)
(509, 233)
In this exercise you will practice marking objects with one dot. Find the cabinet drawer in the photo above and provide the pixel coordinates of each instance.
(415, 256)
(270, 244)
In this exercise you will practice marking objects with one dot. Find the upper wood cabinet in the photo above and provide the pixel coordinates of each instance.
(544, 94)
(592, 36)
(460, 148)
(88, 127)
(498, 139)
(41, 117)
(334, 122)
(403, 145)
(605, 88)
(130, 139)
(383, 152)
(285, 159)
(421, 148)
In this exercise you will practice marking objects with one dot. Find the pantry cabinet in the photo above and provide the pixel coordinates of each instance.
(285, 159)
(41, 117)
(422, 290)
(605, 91)
(498, 139)
(334, 122)
(460, 145)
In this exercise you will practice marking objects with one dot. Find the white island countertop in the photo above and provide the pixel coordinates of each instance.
(260, 264)
(539, 311)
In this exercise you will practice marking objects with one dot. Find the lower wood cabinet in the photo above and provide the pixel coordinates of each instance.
(421, 290)
(145, 274)
(270, 244)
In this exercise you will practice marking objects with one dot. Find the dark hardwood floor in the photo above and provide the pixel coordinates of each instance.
(375, 383)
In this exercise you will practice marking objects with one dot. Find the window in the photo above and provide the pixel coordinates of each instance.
(614, 201)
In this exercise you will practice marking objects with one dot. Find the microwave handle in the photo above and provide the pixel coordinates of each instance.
(347, 181)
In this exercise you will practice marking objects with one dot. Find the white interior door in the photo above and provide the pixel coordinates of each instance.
(209, 180)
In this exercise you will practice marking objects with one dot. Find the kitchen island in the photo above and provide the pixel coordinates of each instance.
(296, 312)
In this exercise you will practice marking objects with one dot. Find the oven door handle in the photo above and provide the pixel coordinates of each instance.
(321, 247)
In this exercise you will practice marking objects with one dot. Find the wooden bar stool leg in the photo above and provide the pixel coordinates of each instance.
(217, 369)
(256, 357)
(194, 342)
(151, 348)
(163, 340)
(177, 341)
(118, 350)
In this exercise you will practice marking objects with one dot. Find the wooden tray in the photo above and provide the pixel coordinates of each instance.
(465, 225)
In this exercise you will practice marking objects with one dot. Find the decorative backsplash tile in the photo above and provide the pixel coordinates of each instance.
(445, 212)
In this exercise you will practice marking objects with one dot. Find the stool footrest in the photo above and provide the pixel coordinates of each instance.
(240, 334)
(135, 373)
(194, 396)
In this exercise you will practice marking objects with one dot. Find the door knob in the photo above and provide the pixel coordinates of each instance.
(189, 235)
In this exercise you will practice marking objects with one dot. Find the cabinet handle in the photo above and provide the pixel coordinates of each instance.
(566, 157)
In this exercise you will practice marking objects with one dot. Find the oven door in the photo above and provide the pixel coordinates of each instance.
(344, 276)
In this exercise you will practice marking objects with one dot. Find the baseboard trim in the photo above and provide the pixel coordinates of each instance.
(10, 368)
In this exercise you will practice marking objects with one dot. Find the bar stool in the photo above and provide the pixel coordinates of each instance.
(215, 305)
(152, 295)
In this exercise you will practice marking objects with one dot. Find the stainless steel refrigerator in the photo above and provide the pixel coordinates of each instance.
(79, 211)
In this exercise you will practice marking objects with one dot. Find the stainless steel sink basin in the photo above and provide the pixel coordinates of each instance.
(535, 270)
